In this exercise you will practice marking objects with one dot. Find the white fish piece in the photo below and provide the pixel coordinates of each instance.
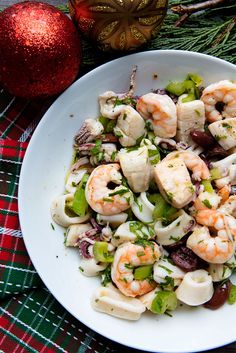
(175, 231)
(143, 208)
(108, 107)
(220, 183)
(129, 231)
(114, 221)
(212, 197)
(224, 131)
(74, 231)
(89, 130)
(229, 206)
(196, 288)
(136, 168)
(164, 268)
(147, 298)
(190, 116)
(224, 164)
(130, 126)
(59, 212)
(109, 154)
(232, 174)
(90, 268)
(110, 301)
(73, 179)
(173, 180)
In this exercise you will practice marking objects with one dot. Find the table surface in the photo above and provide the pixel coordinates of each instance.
(33, 320)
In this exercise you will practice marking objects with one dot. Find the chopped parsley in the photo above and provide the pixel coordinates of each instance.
(207, 203)
(170, 196)
(220, 137)
(81, 269)
(227, 126)
(169, 283)
(106, 276)
(97, 148)
(107, 199)
(52, 226)
(166, 269)
(130, 267)
(140, 253)
(118, 133)
(119, 192)
(113, 156)
(175, 238)
(126, 101)
(137, 203)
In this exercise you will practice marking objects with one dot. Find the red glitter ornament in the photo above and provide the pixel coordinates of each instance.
(39, 50)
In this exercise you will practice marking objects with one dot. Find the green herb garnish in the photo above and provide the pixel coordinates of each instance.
(119, 192)
(207, 203)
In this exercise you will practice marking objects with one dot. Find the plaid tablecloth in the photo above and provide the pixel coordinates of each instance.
(31, 319)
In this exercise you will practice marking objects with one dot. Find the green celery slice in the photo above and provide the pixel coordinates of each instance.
(143, 272)
(164, 301)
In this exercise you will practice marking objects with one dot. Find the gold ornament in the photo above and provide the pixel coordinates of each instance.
(119, 24)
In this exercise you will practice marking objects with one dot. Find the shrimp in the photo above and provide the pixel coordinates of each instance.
(102, 199)
(126, 258)
(161, 110)
(192, 162)
(217, 248)
(224, 193)
(223, 95)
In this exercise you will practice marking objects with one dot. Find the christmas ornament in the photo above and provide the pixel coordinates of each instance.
(39, 51)
(119, 24)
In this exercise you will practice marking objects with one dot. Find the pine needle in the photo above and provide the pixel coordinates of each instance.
(208, 32)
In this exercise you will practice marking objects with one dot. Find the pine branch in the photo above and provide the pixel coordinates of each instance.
(186, 10)
(226, 32)
(189, 9)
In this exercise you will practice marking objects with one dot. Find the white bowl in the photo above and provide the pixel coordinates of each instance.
(42, 178)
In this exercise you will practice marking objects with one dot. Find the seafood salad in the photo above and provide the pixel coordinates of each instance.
(150, 198)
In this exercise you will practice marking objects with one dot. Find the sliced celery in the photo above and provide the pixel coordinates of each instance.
(100, 252)
(207, 185)
(189, 98)
(80, 204)
(162, 210)
(215, 174)
(143, 272)
(189, 86)
(164, 301)
(195, 78)
(176, 88)
(232, 295)
(160, 207)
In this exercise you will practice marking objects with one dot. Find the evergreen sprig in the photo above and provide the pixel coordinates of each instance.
(204, 32)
